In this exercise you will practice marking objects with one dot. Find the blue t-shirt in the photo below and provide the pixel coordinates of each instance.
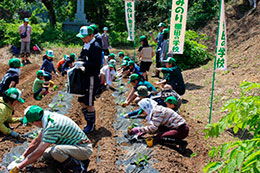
(136, 69)
(149, 86)
(47, 66)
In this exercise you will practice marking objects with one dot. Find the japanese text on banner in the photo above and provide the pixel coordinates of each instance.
(221, 52)
(130, 18)
(178, 26)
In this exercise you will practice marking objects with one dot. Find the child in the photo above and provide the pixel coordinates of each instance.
(67, 65)
(10, 98)
(47, 65)
(109, 57)
(171, 102)
(38, 90)
(146, 56)
(11, 77)
(121, 55)
(61, 62)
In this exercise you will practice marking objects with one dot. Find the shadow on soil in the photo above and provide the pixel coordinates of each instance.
(191, 86)
(98, 134)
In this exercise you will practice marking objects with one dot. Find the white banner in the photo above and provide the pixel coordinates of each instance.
(221, 50)
(178, 26)
(130, 18)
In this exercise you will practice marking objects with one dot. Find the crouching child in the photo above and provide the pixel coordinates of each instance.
(60, 142)
(40, 86)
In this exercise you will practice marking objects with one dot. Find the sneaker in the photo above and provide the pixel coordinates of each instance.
(182, 147)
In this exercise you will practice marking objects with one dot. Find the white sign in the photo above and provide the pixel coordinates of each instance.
(221, 50)
(178, 26)
(130, 18)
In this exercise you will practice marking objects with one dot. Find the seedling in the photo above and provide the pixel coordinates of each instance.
(133, 124)
(142, 160)
(53, 106)
(61, 97)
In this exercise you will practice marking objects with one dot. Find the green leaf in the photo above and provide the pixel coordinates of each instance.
(240, 159)
(224, 149)
(208, 166)
(231, 166)
(252, 157)
(216, 166)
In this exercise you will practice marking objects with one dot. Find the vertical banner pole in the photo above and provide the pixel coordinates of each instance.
(220, 57)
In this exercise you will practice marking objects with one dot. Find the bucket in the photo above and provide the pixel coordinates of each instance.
(149, 141)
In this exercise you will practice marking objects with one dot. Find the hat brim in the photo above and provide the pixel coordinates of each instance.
(148, 93)
(21, 100)
(79, 35)
(26, 20)
(25, 120)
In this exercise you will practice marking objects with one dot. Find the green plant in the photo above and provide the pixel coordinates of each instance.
(133, 124)
(238, 156)
(142, 160)
(195, 54)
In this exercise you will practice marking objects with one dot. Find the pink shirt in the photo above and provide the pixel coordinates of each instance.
(22, 29)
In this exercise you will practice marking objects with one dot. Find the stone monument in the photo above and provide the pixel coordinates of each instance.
(79, 20)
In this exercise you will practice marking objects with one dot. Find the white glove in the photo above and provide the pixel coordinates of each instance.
(14, 134)
(15, 163)
(110, 47)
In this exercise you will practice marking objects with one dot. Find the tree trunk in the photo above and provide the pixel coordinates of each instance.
(49, 5)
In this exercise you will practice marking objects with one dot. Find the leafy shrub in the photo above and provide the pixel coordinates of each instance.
(238, 156)
(194, 54)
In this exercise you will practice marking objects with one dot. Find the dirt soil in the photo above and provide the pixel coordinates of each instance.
(243, 65)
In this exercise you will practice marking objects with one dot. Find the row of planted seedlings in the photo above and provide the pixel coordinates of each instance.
(138, 157)
(61, 103)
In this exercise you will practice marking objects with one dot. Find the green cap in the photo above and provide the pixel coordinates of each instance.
(125, 62)
(112, 61)
(41, 73)
(131, 63)
(133, 77)
(142, 91)
(14, 93)
(171, 100)
(112, 55)
(161, 24)
(73, 55)
(121, 54)
(32, 114)
(85, 31)
(170, 60)
(66, 57)
(93, 26)
(165, 31)
(50, 53)
(105, 29)
(142, 38)
(112, 65)
(26, 20)
(127, 58)
(14, 63)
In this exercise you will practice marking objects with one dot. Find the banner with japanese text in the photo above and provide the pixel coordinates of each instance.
(178, 26)
(130, 18)
(221, 49)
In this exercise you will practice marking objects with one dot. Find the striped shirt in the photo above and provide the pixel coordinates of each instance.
(163, 116)
(59, 129)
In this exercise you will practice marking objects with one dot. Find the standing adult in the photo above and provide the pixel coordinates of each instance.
(158, 40)
(60, 141)
(90, 57)
(25, 31)
(106, 44)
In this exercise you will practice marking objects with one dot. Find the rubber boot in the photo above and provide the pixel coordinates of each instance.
(171, 141)
(90, 117)
(75, 165)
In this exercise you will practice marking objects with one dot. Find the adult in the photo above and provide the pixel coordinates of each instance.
(71, 149)
(146, 56)
(7, 103)
(173, 76)
(169, 126)
(105, 39)
(90, 57)
(25, 31)
(11, 77)
(158, 40)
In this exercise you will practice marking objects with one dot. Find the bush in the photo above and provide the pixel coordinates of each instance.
(195, 54)
(41, 33)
